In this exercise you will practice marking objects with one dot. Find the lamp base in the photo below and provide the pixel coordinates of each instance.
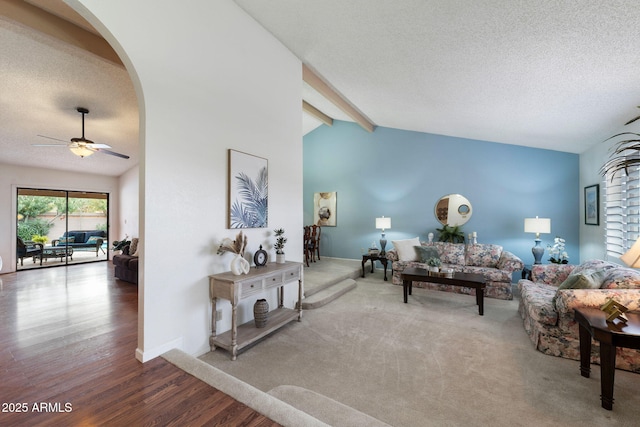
(383, 243)
(537, 251)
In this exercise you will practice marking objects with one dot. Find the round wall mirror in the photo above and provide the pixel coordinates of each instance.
(453, 209)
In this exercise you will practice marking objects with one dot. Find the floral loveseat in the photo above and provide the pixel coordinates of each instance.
(548, 300)
(496, 264)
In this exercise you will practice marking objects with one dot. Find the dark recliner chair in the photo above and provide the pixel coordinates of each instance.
(27, 250)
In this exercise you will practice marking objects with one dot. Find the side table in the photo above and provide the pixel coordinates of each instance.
(593, 323)
(375, 257)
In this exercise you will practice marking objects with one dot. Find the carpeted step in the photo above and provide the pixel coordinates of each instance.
(324, 408)
(329, 294)
(321, 276)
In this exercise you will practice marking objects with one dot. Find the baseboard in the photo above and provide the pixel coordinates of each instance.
(146, 355)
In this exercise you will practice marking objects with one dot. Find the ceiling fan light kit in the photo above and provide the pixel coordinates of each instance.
(83, 147)
(81, 151)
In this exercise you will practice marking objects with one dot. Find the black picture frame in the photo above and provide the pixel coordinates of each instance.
(592, 204)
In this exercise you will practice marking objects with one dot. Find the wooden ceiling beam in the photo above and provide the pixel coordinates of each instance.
(314, 112)
(313, 80)
(61, 29)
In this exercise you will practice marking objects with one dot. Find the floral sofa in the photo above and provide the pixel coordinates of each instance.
(496, 264)
(548, 300)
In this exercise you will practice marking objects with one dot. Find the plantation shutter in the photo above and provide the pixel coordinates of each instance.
(622, 211)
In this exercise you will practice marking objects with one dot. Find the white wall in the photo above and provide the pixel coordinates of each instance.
(128, 215)
(592, 238)
(12, 177)
(208, 78)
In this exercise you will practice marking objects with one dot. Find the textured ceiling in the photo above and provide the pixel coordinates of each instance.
(43, 81)
(549, 74)
(559, 75)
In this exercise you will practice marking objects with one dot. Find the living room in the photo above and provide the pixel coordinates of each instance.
(505, 183)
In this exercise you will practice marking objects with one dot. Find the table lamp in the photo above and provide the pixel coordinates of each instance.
(383, 223)
(632, 256)
(537, 225)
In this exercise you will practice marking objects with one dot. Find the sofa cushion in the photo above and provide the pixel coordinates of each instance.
(621, 278)
(406, 249)
(450, 253)
(594, 265)
(79, 236)
(93, 240)
(483, 255)
(426, 252)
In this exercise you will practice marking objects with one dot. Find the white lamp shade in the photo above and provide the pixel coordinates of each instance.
(537, 225)
(632, 256)
(383, 223)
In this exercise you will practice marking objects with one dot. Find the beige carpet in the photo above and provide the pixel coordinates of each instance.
(431, 362)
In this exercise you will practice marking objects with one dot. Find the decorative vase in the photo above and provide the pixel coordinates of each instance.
(239, 265)
(279, 258)
(261, 313)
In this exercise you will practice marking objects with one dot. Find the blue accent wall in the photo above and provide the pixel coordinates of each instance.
(401, 174)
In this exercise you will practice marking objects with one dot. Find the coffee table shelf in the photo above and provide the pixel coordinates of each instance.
(469, 280)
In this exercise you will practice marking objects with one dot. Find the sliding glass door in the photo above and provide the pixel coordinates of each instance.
(58, 227)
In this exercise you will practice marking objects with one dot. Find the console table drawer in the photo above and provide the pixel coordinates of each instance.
(250, 287)
(292, 275)
(273, 280)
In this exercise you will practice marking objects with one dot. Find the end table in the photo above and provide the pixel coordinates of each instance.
(593, 323)
(375, 257)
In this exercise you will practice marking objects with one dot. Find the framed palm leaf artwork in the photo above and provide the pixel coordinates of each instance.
(248, 191)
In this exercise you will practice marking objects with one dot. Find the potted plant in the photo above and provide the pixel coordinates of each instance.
(119, 245)
(433, 264)
(280, 242)
(558, 253)
(624, 153)
(451, 234)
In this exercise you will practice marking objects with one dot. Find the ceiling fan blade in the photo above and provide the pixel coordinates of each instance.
(98, 146)
(55, 139)
(112, 153)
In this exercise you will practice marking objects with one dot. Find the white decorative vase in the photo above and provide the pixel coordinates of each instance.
(279, 258)
(239, 265)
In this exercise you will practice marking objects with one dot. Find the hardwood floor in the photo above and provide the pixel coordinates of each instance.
(67, 344)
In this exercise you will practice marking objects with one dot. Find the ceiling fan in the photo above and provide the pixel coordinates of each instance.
(82, 146)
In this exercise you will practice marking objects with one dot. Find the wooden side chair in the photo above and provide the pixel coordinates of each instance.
(308, 245)
(316, 230)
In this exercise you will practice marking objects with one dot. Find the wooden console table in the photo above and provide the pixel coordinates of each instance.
(236, 288)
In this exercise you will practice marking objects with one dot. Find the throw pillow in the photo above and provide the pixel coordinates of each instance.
(426, 252)
(587, 279)
(133, 247)
(93, 240)
(406, 249)
(64, 240)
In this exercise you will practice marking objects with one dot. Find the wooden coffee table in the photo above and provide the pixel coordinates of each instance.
(593, 323)
(468, 280)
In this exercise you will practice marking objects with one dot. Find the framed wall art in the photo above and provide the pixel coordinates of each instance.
(592, 205)
(248, 195)
(324, 209)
